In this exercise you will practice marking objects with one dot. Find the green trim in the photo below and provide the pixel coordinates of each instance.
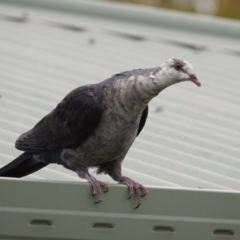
(66, 210)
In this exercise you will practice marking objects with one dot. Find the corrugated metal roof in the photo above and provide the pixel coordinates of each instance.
(191, 138)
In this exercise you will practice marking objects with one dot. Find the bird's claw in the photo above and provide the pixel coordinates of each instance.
(135, 187)
(97, 185)
(137, 205)
(98, 201)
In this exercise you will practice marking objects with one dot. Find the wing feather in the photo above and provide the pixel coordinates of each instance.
(67, 126)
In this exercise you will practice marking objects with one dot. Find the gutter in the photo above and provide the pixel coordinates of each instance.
(66, 210)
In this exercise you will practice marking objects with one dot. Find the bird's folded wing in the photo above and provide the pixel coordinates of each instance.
(67, 126)
(143, 120)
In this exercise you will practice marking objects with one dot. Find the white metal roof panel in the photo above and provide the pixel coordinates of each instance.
(191, 138)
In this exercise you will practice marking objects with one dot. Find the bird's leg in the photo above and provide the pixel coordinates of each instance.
(96, 185)
(114, 170)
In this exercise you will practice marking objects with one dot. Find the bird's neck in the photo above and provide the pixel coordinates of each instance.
(132, 94)
(132, 91)
(140, 88)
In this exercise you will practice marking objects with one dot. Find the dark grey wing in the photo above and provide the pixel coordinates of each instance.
(67, 126)
(143, 120)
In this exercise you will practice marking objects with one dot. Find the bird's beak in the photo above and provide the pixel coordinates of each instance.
(194, 78)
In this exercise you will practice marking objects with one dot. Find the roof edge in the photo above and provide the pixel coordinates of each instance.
(138, 14)
(57, 210)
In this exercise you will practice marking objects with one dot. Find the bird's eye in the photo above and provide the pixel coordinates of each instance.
(177, 66)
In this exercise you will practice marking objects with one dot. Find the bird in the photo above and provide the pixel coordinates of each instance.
(95, 125)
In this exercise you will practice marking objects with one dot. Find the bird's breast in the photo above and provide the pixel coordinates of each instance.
(110, 141)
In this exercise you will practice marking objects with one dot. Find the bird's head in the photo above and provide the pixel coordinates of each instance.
(177, 70)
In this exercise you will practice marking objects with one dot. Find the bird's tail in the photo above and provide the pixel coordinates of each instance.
(23, 165)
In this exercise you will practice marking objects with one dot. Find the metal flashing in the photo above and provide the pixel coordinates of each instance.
(165, 214)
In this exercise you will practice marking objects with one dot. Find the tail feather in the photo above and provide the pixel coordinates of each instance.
(23, 165)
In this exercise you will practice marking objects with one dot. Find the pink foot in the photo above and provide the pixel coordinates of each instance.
(134, 186)
(96, 185)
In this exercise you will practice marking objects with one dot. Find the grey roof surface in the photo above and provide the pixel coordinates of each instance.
(191, 138)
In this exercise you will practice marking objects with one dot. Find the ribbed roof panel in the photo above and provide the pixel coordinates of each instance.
(191, 138)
